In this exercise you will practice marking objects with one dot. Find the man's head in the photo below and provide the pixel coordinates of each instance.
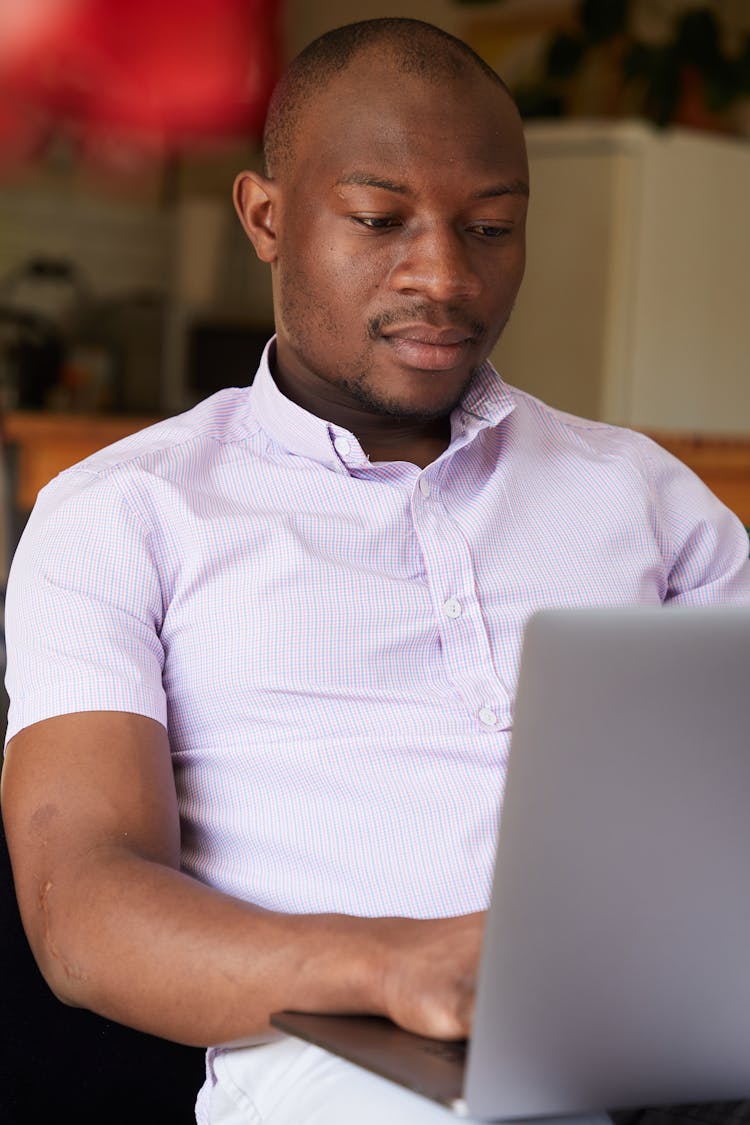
(392, 213)
(416, 48)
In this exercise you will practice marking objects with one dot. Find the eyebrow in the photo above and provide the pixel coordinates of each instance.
(366, 179)
(515, 187)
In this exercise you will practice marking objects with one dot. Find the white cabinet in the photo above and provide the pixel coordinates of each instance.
(635, 307)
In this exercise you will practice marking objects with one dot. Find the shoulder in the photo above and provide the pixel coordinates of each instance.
(174, 453)
(574, 432)
(557, 423)
(223, 419)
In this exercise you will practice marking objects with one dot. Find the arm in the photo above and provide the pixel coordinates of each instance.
(703, 543)
(91, 817)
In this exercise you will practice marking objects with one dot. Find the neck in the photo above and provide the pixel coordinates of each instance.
(420, 443)
(383, 437)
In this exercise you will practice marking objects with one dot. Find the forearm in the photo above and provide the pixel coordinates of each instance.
(147, 946)
(93, 829)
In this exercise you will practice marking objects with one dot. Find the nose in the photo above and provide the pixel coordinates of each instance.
(435, 262)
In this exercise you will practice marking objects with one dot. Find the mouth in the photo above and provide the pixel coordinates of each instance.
(427, 348)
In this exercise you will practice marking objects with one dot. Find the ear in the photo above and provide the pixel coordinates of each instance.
(255, 202)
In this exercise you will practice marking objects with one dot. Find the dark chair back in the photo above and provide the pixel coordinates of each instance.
(59, 1063)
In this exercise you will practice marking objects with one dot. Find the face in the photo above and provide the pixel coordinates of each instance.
(396, 240)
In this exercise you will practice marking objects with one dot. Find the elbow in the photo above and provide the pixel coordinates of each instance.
(64, 975)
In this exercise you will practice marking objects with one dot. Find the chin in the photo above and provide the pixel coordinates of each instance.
(435, 406)
(419, 410)
(435, 398)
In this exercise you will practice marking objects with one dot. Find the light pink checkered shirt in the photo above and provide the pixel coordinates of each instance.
(333, 644)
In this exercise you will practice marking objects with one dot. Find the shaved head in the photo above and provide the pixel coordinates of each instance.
(411, 46)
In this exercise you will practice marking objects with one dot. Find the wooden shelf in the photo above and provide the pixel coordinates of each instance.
(46, 443)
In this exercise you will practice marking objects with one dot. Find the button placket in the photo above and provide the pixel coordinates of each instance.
(449, 570)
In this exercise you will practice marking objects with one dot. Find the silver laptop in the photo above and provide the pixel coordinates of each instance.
(615, 969)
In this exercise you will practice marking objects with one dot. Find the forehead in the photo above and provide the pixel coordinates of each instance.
(376, 116)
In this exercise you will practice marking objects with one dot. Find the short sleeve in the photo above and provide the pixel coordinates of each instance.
(703, 541)
(83, 607)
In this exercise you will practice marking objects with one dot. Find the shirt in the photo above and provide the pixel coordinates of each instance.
(333, 644)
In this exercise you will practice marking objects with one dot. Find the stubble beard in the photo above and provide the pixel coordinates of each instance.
(379, 403)
(357, 382)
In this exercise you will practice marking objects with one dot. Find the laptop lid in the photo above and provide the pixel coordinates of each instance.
(616, 963)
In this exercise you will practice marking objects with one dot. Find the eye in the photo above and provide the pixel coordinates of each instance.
(375, 222)
(490, 230)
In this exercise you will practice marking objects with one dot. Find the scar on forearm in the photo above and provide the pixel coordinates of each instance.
(71, 971)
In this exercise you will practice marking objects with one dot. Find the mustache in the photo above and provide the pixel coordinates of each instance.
(444, 317)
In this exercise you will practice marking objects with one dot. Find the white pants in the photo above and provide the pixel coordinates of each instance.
(292, 1083)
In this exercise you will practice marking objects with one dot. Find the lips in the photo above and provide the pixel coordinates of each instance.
(428, 348)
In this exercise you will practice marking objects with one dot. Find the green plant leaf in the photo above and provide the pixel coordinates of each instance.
(639, 61)
(538, 102)
(602, 19)
(564, 56)
(697, 40)
(743, 69)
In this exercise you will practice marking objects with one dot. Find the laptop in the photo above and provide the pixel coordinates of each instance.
(615, 968)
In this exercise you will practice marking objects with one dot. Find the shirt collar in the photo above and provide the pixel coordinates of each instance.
(488, 400)
(303, 434)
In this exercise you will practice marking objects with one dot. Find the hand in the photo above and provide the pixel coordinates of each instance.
(429, 973)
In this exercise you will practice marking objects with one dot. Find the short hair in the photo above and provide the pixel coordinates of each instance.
(416, 47)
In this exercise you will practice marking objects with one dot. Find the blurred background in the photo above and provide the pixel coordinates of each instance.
(128, 292)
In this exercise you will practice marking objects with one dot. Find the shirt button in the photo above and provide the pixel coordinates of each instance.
(452, 607)
(342, 445)
(487, 717)
(424, 486)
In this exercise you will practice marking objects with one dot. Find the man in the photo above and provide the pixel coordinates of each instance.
(262, 656)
